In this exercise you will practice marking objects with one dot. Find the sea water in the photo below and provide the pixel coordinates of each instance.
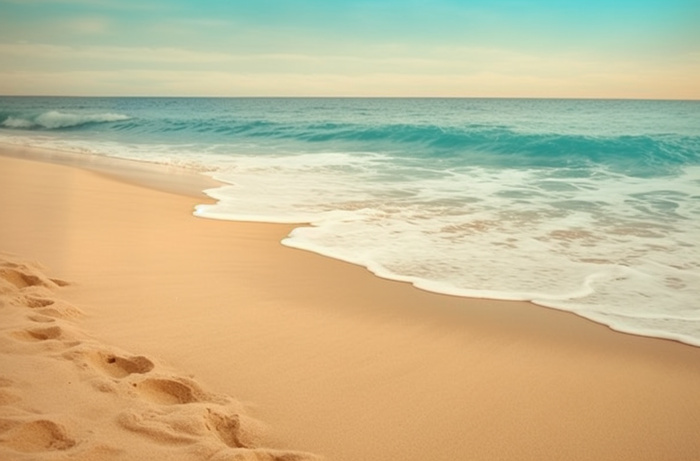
(589, 206)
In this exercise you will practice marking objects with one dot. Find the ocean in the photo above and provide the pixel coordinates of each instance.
(588, 206)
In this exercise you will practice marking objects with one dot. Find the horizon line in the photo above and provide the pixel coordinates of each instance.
(563, 98)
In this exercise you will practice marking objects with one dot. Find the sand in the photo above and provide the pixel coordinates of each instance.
(132, 330)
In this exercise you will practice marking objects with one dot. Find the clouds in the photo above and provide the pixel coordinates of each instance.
(394, 59)
(211, 83)
(114, 56)
(479, 72)
(348, 48)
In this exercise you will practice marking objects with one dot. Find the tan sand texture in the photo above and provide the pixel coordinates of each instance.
(65, 395)
(335, 361)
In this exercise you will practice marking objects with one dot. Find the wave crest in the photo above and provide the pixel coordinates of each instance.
(55, 120)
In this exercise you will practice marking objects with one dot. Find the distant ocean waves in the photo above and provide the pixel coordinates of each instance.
(449, 144)
(586, 206)
(53, 119)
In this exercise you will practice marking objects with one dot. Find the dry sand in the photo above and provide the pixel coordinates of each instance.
(333, 360)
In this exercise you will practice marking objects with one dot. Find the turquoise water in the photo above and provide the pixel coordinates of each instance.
(586, 206)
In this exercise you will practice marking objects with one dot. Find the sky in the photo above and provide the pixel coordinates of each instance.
(419, 48)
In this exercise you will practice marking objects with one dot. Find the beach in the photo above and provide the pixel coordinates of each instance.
(215, 329)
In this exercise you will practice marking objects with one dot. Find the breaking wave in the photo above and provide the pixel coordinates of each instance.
(53, 120)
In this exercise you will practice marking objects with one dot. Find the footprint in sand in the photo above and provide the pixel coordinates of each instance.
(190, 424)
(119, 367)
(21, 279)
(60, 310)
(263, 454)
(160, 425)
(33, 302)
(40, 334)
(226, 427)
(169, 391)
(23, 276)
(34, 436)
(41, 319)
(41, 301)
(34, 292)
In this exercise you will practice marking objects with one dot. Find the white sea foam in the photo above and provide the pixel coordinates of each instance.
(15, 122)
(55, 119)
(606, 247)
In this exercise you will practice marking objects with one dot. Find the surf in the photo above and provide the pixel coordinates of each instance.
(54, 120)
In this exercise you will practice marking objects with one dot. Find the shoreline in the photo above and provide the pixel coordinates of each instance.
(165, 178)
(336, 360)
(192, 183)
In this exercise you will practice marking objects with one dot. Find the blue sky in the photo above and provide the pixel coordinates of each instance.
(498, 48)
